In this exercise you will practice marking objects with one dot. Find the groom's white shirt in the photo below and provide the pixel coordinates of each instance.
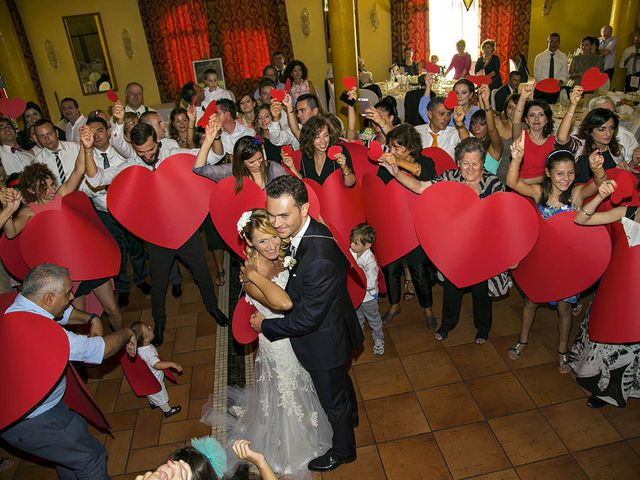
(297, 238)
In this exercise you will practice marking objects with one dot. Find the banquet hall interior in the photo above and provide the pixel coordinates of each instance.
(429, 409)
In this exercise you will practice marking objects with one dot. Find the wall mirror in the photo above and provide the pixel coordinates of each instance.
(90, 53)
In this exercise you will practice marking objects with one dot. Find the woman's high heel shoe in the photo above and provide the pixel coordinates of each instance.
(515, 352)
(563, 362)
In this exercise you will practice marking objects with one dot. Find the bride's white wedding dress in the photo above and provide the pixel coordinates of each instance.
(281, 414)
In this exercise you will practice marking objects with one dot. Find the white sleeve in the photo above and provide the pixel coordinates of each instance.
(626, 53)
(105, 177)
(124, 149)
(279, 136)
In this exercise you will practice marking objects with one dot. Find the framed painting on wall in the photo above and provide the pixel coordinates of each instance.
(200, 66)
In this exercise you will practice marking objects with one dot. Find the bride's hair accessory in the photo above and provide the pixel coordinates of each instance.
(244, 219)
(211, 448)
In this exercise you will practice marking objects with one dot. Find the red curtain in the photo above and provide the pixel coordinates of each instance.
(177, 34)
(410, 28)
(507, 22)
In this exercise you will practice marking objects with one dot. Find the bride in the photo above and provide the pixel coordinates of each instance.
(281, 414)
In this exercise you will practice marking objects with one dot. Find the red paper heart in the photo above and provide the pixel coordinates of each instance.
(139, 376)
(593, 79)
(375, 150)
(360, 160)
(287, 150)
(165, 206)
(12, 107)
(204, 119)
(278, 95)
(240, 325)
(614, 312)
(479, 79)
(349, 82)
(82, 242)
(625, 185)
(432, 68)
(112, 96)
(296, 156)
(6, 299)
(333, 151)
(471, 240)
(78, 398)
(390, 210)
(548, 85)
(441, 159)
(12, 257)
(451, 101)
(287, 85)
(566, 259)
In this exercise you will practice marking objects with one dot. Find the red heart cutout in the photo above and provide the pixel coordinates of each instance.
(349, 82)
(12, 107)
(82, 242)
(296, 156)
(390, 210)
(204, 119)
(375, 150)
(140, 378)
(614, 312)
(451, 101)
(333, 151)
(278, 95)
(483, 237)
(566, 259)
(625, 185)
(287, 150)
(479, 79)
(6, 299)
(78, 398)
(432, 68)
(360, 160)
(240, 325)
(165, 206)
(441, 159)
(287, 86)
(548, 85)
(593, 79)
(12, 257)
(112, 96)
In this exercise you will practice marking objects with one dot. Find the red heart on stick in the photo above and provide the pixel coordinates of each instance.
(375, 150)
(349, 82)
(483, 237)
(548, 85)
(112, 96)
(593, 79)
(614, 312)
(140, 378)
(12, 257)
(240, 325)
(432, 68)
(82, 242)
(390, 210)
(12, 107)
(165, 206)
(204, 119)
(278, 95)
(566, 259)
(441, 159)
(479, 79)
(333, 151)
(451, 101)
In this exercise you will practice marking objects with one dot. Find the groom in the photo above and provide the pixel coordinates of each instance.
(322, 326)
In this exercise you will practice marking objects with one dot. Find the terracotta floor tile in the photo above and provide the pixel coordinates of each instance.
(413, 458)
(477, 360)
(122, 420)
(185, 339)
(635, 444)
(547, 386)
(463, 334)
(144, 459)
(205, 325)
(204, 342)
(617, 461)
(128, 401)
(178, 395)
(118, 451)
(367, 466)
(379, 379)
(509, 474)
(527, 437)
(579, 426)
(147, 428)
(35, 472)
(500, 395)
(195, 406)
(559, 468)
(534, 354)
(396, 416)
(367, 351)
(106, 395)
(182, 320)
(413, 338)
(449, 406)
(428, 369)
(189, 359)
(626, 420)
(471, 450)
(506, 320)
(364, 435)
(202, 381)
(192, 308)
(172, 432)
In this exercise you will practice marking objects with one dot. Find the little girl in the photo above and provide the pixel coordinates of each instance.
(148, 353)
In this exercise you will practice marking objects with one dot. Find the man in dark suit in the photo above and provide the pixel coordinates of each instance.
(507, 89)
(322, 326)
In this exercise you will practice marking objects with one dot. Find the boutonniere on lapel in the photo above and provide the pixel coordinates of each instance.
(289, 262)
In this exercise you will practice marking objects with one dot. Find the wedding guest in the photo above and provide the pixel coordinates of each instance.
(607, 48)
(509, 88)
(269, 72)
(248, 110)
(586, 59)
(407, 65)
(74, 118)
(297, 73)
(274, 138)
(134, 99)
(297, 116)
(463, 89)
(182, 127)
(489, 63)
(31, 115)
(280, 66)
(231, 130)
(213, 90)
(13, 158)
(630, 61)
(461, 62)
(551, 63)
(59, 156)
(438, 132)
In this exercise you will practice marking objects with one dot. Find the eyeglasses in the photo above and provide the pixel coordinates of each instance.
(7, 128)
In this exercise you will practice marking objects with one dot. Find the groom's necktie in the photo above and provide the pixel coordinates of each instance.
(293, 250)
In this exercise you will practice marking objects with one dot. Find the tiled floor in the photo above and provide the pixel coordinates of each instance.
(428, 410)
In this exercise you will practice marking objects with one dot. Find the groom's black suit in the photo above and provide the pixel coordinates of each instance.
(323, 328)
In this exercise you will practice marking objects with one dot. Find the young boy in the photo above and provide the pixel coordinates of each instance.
(213, 91)
(148, 353)
(362, 238)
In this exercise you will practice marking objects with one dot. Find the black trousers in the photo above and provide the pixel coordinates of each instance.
(419, 266)
(452, 301)
(161, 259)
(337, 397)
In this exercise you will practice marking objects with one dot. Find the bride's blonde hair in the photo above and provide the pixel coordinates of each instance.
(259, 220)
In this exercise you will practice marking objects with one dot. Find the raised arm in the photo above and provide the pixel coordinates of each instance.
(211, 132)
(564, 130)
(262, 289)
(426, 98)
(11, 200)
(191, 114)
(513, 174)
(77, 175)
(495, 148)
(291, 116)
(351, 115)
(587, 214)
(586, 190)
(458, 122)
(389, 162)
(516, 124)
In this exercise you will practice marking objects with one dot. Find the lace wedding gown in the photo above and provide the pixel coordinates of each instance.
(280, 414)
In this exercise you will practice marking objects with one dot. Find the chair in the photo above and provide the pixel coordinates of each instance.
(369, 95)
(411, 103)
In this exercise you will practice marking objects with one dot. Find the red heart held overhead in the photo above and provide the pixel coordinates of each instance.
(375, 150)
(112, 96)
(12, 107)
(12, 257)
(140, 378)
(548, 85)
(390, 210)
(82, 242)
(479, 79)
(441, 159)
(287, 150)
(471, 240)
(432, 68)
(164, 207)
(593, 79)
(349, 82)
(614, 312)
(278, 95)
(240, 325)
(204, 119)
(451, 101)
(333, 151)
(360, 160)
(566, 259)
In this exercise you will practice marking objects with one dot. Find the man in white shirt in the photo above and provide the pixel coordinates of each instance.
(12, 157)
(59, 156)
(231, 130)
(297, 116)
(630, 61)
(74, 119)
(134, 94)
(626, 139)
(552, 63)
(438, 133)
(607, 48)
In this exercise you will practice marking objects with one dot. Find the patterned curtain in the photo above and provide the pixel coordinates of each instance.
(177, 34)
(410, 28)
(244, 33)
(507, 22)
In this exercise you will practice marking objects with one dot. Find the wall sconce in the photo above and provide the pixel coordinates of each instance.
(51, 54)
(546, 7)
(374, 20)
(126, 43)
(306, 23)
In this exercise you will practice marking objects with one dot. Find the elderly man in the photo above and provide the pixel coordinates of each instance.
(134, 94)
(51, 431)
(74, 119)
(607, 48)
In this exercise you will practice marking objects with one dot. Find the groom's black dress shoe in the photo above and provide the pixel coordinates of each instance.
(329, 461)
